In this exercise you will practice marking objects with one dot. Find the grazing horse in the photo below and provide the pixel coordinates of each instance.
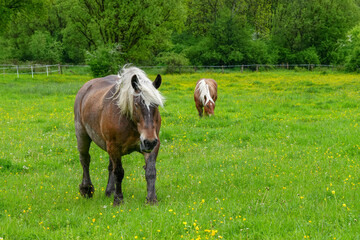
(205, 96)
(120, 114)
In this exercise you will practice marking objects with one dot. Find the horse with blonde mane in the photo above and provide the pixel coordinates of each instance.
(205, 96)
(119, 113)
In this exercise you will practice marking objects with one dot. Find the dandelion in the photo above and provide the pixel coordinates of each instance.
(213, 232)
(184, 223)
(344, 205)
(333, 192)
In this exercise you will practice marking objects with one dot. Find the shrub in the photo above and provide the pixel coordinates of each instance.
(173, 61)
(44, 48)
(353, 62)
(308, 56)
(105, 60)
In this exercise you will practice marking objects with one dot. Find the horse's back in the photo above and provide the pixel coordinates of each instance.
(212, 88)
(96, 85)
(93, 92)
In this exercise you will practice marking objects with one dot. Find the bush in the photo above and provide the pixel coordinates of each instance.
(308, 56)
(353, 62)
(173, 61)
(259, 52)
(44, 48)
(105, 60)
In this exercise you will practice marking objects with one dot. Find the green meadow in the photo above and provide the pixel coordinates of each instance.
(279, 160)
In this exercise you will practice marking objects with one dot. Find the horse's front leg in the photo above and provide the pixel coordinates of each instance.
(117, 173)
(110, 188)
(200, 109)
(150, 174)
(118, 177)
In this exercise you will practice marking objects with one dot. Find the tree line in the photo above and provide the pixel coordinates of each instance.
(109, 33)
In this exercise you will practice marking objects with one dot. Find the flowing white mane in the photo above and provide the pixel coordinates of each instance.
(204, 91)
(124, 92)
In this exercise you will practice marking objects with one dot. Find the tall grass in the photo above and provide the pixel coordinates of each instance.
(280, 160)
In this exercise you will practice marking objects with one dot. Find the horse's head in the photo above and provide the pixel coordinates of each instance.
(146, 115)
(209, 107)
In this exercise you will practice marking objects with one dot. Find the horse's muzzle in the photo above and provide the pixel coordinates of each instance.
(147, 145)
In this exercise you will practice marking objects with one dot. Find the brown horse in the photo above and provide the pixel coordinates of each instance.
(205, 96)
(119, 113)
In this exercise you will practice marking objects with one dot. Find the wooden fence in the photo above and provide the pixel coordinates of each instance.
(74, 69)
(37, 69)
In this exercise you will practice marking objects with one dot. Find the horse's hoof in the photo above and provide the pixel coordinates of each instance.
(86, 191)
(108, 193)
(117, 202)
(152, 201)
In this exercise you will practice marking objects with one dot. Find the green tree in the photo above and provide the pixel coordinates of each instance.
(142, 27)
(218, 32)
(318, 24)
(259, 14)
(10, 8)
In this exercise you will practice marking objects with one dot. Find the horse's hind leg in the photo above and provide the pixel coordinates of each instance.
(86, 187)
(110, 188)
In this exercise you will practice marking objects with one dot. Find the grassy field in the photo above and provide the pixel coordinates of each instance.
(280, 160)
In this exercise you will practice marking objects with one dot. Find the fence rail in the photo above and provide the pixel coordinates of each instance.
(60, 69)
(37, 69)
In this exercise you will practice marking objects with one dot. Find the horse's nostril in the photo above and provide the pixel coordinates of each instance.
(150, 144)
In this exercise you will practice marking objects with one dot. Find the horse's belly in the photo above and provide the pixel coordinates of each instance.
(95, 137)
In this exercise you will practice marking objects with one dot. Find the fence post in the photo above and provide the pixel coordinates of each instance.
(59, 69)
(32, 71)
(242, 68)
(17, 70)
(47, 70)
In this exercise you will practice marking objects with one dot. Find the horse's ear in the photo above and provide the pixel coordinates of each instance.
(157, 81)
(135, 83)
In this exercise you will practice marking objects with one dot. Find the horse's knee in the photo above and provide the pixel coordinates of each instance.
(150, 173)
(119, 173)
